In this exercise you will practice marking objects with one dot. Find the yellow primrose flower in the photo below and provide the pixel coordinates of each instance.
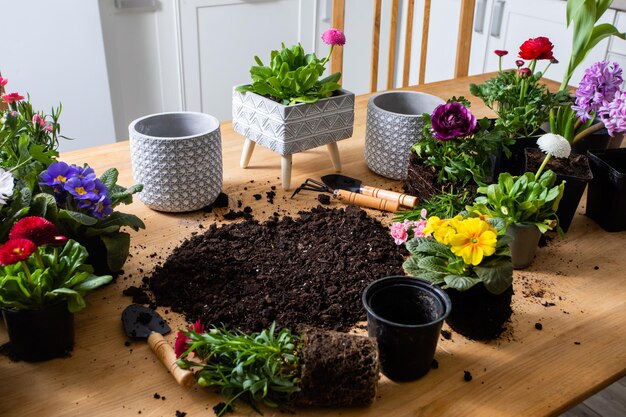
(441, 229)
(474, 239)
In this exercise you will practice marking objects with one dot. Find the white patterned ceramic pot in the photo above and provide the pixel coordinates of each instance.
(394, 123)
(178, 159)
(291, 129)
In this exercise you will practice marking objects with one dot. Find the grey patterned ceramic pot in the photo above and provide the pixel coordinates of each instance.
(178, 159)
(394, 124)
(291, 129)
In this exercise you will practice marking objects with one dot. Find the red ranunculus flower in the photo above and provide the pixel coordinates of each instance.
(500, 52)
(16, 250)
(12, 98)
(536, 48)
(38, 230)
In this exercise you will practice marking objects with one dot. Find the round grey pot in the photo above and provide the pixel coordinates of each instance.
(394, 123)
(524, 245)
(178, 159)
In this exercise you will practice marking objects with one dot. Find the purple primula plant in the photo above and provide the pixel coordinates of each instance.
(78, 188)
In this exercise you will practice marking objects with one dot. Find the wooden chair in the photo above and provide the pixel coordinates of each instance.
(464, 41)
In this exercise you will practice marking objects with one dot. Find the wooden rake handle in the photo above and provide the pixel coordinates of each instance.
(166, 355)
(363, 200)
(402, 199)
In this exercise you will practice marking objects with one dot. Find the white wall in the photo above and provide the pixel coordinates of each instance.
(54, 51)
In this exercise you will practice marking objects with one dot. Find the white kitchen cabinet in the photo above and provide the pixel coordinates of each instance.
(510, 22)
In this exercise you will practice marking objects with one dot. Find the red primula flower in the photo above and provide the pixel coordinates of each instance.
(38, 230)
(12, 98)
(16, 250)
(536, 48)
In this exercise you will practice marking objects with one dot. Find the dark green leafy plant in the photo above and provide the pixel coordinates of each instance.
(445, 204)
(259, 368)
(292, 77)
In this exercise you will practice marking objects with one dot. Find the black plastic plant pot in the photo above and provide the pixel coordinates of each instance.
(39, 335)
(515, 164)
(479, 314)
(405, 315)
(606, 196)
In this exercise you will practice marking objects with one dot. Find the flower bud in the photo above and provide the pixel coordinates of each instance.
(519, 63)
(501, 52)
(524, 72)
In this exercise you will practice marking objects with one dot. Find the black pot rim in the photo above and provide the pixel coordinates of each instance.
(422, 284)
(40, 308)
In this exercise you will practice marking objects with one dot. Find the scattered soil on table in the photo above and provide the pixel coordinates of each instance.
(467, 376)
(305, 271)
(220, 202)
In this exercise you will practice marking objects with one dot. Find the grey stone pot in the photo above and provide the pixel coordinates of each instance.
(291, 129)
(178, 159)
(394, 123)
(524, 245)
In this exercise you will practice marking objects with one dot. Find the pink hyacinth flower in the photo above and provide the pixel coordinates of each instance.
(3, 81)
(334, 37)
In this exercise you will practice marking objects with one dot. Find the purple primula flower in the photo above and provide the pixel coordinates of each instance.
(81, 188)
(57, 174)
(102, 208)
(614, 114)
(452, 120)
(598, 85)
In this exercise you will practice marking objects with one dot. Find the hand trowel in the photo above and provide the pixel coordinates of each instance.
(144, 323)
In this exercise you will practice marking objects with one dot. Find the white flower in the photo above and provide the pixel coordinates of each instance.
(6, 186)
(554, 145)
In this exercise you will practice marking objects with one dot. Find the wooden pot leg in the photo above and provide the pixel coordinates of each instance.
(246, 153)
(286, 171)
(333, 151)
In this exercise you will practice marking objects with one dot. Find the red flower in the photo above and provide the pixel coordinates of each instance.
(519, 63)
(12, 98)
(3, 81)
(16, 250)
(536, 48)
(197, 327)
(501, 52)
(38, 230)
(181, 344)
(524, 72)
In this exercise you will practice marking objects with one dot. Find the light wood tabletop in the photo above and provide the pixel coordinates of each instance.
(575, 289)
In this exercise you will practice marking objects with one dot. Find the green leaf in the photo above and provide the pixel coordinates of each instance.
(80, 218)
(117, 246)
(109, 178)
(460, 282)
(496, 276)
(75, 301)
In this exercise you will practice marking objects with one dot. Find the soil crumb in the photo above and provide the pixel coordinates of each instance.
(305, 271)
(467, 376)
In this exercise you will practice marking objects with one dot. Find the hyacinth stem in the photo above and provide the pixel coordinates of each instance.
(543, 165)
(588, 131)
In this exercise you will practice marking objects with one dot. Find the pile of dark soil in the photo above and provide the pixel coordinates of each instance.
(305, 271)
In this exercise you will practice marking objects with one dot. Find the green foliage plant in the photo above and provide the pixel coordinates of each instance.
(292, 77)
(258, 368)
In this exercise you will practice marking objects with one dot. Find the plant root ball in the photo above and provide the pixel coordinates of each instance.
(338, 370)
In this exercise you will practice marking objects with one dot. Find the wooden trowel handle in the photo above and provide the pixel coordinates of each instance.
(166, 355)
(363, 200)
(402, 199)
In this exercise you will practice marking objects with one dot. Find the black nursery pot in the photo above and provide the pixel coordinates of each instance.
(516, 163)
(405, 315)
(606, 196)
(479, 314)
(574, 188)
(39, 335)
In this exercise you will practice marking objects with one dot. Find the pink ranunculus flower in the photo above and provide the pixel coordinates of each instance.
(399, 233)
(334, 37)
(12, 98)
(3, 81)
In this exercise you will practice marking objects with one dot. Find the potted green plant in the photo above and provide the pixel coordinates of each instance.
(279, 368)
(289, 108)
(453, 156)
(36, 183)
(471, 259)
(43, 282)
(527, 203)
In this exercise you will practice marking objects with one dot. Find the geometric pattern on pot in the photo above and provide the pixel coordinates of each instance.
(291, 129)
(394, 123)
(178, 159)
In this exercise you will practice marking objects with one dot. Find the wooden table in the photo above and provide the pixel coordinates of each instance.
(575, 289)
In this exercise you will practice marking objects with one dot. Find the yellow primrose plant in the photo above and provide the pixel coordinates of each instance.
(462, 252)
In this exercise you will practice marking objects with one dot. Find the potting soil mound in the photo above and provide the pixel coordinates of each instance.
(305, 271)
